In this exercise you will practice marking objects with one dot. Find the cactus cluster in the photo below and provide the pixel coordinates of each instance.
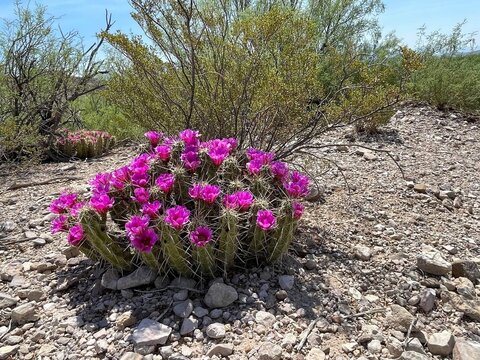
(83, 144)
(188, 207)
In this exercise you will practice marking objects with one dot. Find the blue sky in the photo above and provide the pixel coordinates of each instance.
(402, 16)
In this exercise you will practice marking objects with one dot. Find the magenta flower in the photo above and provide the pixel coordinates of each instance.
(140, 179)
(101, 203)
(298, 209)
(195, 191)
(298, 185)
(75, 235)
(151, 209)
(59, 224)
(120, 177)
(264, 157)
(244, 199)
(163, 152)
(154, 137)
(201, 236)
(63, 203)
(145, 240)
(255, 166)
(101, 182)
(230, 201)
(210, 193)
(190, 137)
(136, 225)
(232, 143)
(141, 195)
(279, 170)
(190, 160)
(76, 208)
(165, 182)
(177, 217)
(218, 150)
(266, 220)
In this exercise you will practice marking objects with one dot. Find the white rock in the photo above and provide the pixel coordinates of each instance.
(220, 295)
(433, 263)
(151, 332)
(441, 343)
(265, 318)
(216, 331)
(220, 350)
(315, 354)
(25, 313)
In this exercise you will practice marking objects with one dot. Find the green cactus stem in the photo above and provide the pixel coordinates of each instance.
(282, 239)
(205, 259)
(258, 242)
(175, 254)
(151, 259)
(228, 241)
(89, 251)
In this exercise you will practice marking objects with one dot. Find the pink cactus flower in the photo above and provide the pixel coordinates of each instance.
(279, 170)
(101, 203)
(165, 182)
(232, 143)
(190, 137)
(297, 186)
(298, 209)
(141, 195)
(152, 209)
(201, 236)
(195, 191)
(101, 182)
(266, 220)
(136, 225)
(59, 224)
(154, 137)
(244, 199)
(210, 193)
(75, 235)
(163, 152)
(145, 240)
(177, 217)
(230, 201)
(76, 208)
(218, 150)
(63, 203)
(190, 160)
(120, 177)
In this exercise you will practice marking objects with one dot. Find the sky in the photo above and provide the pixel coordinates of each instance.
(402, 16)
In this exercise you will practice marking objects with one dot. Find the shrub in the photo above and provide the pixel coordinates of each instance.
(82, 144)
(188, 207)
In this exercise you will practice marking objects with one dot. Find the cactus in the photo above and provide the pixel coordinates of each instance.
(186, 207)
(82, 144)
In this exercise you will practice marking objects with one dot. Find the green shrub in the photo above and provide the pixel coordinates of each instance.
(187, 207)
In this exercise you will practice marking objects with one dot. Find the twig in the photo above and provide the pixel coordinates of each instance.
(307, 332)
(369, 312)
(159, 317)
(407, 338)
(8, 330)
(45, 182)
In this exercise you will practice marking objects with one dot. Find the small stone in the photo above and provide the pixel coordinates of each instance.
(126, 319)
(315, 354)
(441, 343)
(151, 332)
(180, 295)
(200, 311)
(46, 349)
(400, 319)
(35, 295)
(183, 309)
(374, 346)
(7, 352)
(467, 269)
(269, 351)
(288, 341)
(286, 282)
(142, 276)
(370, 156)
(413, 355)
(220, 295)
(131, 356)
(216, 331)
(25, 313)
(395, 347)
(281, 295)
(457, 203)
(420, 188)
(363, 252)
(110, 279)
(265, 318)
(161, 282)
(349, 347)
(448, 203)
(427, 300)
(415, 345)
(182, 282)
(101, 346)
(470, 308)
(466, 350)
(465, 287)
(220, 350)
(310, 264)
(7, 300)
(39, 242)
(433, 263)
(188, 325)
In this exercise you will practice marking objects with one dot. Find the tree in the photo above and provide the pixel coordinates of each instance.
(44, 71)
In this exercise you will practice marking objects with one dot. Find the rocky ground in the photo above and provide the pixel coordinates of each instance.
(383, 268)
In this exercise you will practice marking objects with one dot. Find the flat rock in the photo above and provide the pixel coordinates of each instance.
(110, 279)
(142, 276)
(420, 188)
(216, 331)
(269, 351)
(25, 313)
(131, 356)
(441, 343)
(220, 350)
(7, 300)
(467, 269)
(125, 319)
(220, 295)
(286, 282)
(151, 332)
(7, 352)
(413, 355)
(433, 263)
(470, 308)
(400, 319)
(265, 318)
(414, 344)
(466, 350)
(427, 299)
(315, 354)
(188, 325)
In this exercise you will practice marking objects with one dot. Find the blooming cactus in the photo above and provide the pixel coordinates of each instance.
(187, 206)
(83, 143)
